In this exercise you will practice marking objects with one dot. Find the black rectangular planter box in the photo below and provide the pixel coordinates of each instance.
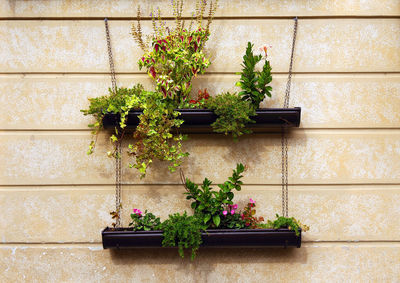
(200, 120)
(121, 238)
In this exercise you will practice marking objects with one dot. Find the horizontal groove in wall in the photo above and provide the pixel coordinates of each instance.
(142, 75)
(336, 131)
(286, 17)
(205, 74)
(98, 245)
(144, 186)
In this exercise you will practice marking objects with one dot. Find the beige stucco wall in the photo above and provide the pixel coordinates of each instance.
(344, 159)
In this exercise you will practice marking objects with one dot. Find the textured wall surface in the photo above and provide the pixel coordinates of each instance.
(344, 160)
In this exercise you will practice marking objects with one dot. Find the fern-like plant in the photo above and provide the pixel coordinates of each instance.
(183, 231)
(254, 84)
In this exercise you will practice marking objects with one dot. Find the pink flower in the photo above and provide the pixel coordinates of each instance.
(252, 201)
(242, 216)
(235, 206)
(224, 212)
(264, 49)
(134, 210)
(232, 211)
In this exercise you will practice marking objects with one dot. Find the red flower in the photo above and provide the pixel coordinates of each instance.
(193, 101)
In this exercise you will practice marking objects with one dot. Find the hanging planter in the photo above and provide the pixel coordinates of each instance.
(120, 238)
(173, 59)
(200, 120)
(216, 222)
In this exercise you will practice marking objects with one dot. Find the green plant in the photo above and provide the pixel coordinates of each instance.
(254, 84)
(212, 209)
(287, 222)
(120, 102)
(176, 54)
(233, 114)
(183, 231)
(144, 222)
(154, 137)
(208, 204)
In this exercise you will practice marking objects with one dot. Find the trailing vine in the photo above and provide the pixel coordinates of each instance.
(153, 135)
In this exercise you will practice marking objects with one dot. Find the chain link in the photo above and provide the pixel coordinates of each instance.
(110, 57)
(118, 150)
(289, 81)
(284, 139)
(118, 181)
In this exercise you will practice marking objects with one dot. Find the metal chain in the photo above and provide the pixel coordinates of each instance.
(118, 181)
(285, 181)
(284, 140)
(110, 57)
(289, 81)
(118, 151)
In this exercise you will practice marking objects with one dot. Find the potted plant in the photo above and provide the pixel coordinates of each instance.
(216, 221)
(175, 56)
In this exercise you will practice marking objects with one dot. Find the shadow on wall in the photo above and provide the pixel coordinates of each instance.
(208, 258)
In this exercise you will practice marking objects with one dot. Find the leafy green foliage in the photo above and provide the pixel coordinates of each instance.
(154, 139)
(176, 54)
(120, 102)
(208, 204)
(287, 222)
(254, 84)
(233, 114)
(175, 59)
(212, 209)
(144, 222)
(183, 231)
